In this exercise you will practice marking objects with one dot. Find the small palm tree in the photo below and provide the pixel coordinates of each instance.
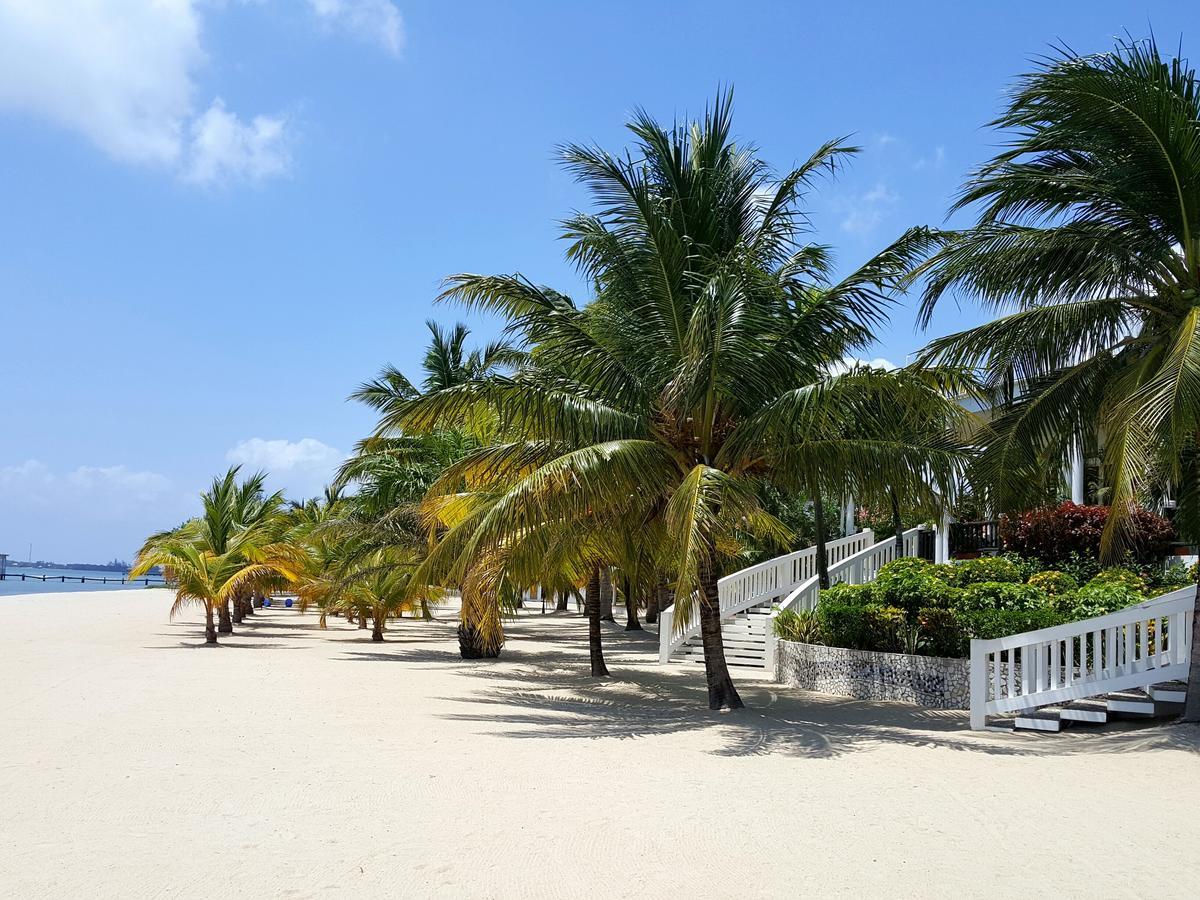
(1088, 242)
(378, 585)
(212, 579)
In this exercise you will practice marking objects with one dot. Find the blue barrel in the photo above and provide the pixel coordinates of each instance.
(266, 601)
(288, 602)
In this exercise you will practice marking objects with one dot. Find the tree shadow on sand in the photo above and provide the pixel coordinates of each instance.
(547, 695)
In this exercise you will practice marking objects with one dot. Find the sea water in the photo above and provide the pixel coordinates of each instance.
(37, 581)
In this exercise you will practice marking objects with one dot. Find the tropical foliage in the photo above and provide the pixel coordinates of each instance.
(695, 412)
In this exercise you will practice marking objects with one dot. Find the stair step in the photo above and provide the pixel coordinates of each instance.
(730, 652)
(1089, 710)
(1044, 719)
(1169, 692)
(733, 662)
(1135, 702)
(732, 641)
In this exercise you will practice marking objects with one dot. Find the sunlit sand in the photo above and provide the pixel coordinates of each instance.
(290, 761)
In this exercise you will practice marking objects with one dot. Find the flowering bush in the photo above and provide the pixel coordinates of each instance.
(1055, 584)
(1053, 533)
(1122, 576)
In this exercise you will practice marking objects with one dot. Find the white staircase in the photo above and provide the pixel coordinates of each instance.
(1133, 662)
(1164, 699)
(748, 598)
(745, 636)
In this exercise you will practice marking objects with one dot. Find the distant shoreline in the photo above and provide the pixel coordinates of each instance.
(120, 568)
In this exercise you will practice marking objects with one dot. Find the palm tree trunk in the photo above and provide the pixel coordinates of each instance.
(631, 610)
(652, 605)
(721, 692)
(362, 620)
(224, 620)
(237, 609)
(377, 630)
(606, 596)
(592, 605)
(210, 631)
(248, 603)
(896, 523)
(1191, 706)
(819, 524)
(561, 605)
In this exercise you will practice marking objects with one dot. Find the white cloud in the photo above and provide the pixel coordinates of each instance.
(89, 513)
(302, 467)
(868, 210)
(222, 147)
(939, 157)
(123, 74)
(283, 455)
(377, 21)
(35, 482)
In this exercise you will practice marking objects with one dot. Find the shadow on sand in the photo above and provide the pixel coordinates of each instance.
(539, 689)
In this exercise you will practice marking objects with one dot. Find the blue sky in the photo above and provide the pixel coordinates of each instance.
(219, 216)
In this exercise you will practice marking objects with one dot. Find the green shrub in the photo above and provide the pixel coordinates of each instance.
(986, 624)
(943, 572)
(801, 625)
(1082, 568)
(1028, 566)
(1122, 576)
(867, 627)
(855, 594)
(941, 632)
(1002, 595)
(1171, 578)
(990, 569)
(1055, 584)
(911, 584)
(1099, 598)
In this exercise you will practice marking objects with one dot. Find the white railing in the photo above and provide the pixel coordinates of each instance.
(762, 583)
(857, 568)
(1131, 648)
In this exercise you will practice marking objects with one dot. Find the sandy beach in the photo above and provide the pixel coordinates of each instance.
(291, 761)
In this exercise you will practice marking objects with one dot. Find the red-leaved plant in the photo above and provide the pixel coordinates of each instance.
(1053, 533)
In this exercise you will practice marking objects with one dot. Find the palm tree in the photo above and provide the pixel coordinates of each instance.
(377, 584)
(213, 579)
(699, 371)
(1088, 241)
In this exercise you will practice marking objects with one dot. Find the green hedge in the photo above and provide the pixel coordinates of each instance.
(914, 606)
(869, 626)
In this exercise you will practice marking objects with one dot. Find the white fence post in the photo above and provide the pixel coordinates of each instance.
(666, 622)
(770, 647)
(979, 685)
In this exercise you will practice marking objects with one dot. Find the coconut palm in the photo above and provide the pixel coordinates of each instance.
(699, 371)
(377, 584)
(211, 579)
(1088, 241)
(446, 363)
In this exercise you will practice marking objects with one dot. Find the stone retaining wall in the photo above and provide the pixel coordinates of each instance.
(866, 675)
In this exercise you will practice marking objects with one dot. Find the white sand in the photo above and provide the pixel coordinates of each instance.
(295, 762)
